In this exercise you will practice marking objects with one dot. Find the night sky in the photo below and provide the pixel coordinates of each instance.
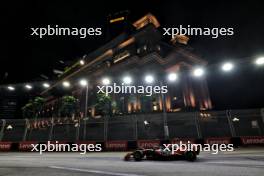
(26, 57)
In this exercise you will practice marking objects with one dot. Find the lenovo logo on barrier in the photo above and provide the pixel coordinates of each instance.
(115, 145)
(223, 140)
(26, 146)
(148, 143)
(5, 146)
(253, 140)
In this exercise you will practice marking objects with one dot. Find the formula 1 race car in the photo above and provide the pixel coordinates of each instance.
(161, 154)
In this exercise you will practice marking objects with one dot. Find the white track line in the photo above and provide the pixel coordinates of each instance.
(93, 171)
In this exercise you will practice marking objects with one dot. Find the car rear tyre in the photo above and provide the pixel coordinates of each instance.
(190, 156)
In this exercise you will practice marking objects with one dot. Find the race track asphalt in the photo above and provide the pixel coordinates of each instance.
(245, 161)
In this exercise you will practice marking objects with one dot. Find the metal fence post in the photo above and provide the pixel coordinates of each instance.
(26, 129)
(51, 129)
(164, 112)
(231, 126)
(78, 129)
(2, 129)
(84, 128)
(136, 128)
(197, 124)
(105, 127)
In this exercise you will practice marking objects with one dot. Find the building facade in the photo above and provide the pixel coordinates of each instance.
(138, 52)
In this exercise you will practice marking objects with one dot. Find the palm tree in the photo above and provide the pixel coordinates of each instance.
(103, 104)
(69, 106)
(33, 107)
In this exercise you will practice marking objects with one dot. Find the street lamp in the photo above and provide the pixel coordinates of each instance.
(146, 122)
(28, 86)
(82, 62)
(164, 112)
(172, 77)
(235, 119)
(228, 66)
(45, 85)
(84, 83)
(149, 79)
(66, 84)
(127, 80)
(259, 61)
(198, 72)
(106, 81)
(11, 88)
(9, 127)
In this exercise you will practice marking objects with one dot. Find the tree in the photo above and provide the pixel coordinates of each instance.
(69, 106)
(33, 107)
(27, 110)
(103, 104)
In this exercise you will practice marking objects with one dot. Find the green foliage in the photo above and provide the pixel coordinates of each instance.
(33, 107)
(28, 111)
(38, 103)
(69, 106)
(103, 104)
(115, 107)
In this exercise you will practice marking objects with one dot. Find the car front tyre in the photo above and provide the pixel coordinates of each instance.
(137, 156)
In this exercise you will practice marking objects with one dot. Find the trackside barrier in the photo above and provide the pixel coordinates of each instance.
(86, 142)
(183, 140)
(221, 140)
(248, 140)
(26, 146)
(148, 143)
(5, 146)
(123, 145)
(116, 145)
(58, 142)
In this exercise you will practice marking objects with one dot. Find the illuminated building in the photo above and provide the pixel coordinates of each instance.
(136, 53)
